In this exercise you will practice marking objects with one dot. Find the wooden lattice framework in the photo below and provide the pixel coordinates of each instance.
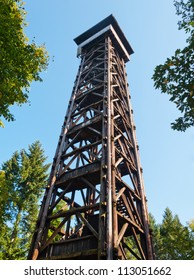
(94, 206)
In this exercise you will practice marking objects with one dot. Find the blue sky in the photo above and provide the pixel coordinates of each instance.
(167, 156)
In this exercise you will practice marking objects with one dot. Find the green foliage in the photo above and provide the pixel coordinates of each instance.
(25, 176)
(3, 195)
(191, 225)
(20, 62)
(172, 240)
(155, 233)
(175, 76)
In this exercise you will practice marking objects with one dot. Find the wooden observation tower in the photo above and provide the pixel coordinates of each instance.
(94, 206)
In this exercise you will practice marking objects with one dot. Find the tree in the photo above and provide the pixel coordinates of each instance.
(175, 76)
(25, 178)
(155, 234)
(3, 195)
(20, 61)
(191, 225)
(172, 240)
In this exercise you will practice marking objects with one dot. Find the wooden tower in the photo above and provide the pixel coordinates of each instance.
(94, 206)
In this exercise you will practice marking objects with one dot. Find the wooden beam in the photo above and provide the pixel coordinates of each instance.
(57, 230)
(76, 173)
(131, 251)
(74, 211)
(121, 233)
(120, 193)
(138, 244)
(133, 193)
(89, 184)
(130, 222)
(88, 225)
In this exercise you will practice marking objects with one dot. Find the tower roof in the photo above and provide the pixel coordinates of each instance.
(107, 25)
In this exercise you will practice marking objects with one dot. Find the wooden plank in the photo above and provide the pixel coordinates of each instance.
(81, 171)
(73, 211)
(77, 255)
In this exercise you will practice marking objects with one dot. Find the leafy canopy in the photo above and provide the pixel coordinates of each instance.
(175, 77)
(20, 61)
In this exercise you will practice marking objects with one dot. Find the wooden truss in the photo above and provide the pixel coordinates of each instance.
(94, 206)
